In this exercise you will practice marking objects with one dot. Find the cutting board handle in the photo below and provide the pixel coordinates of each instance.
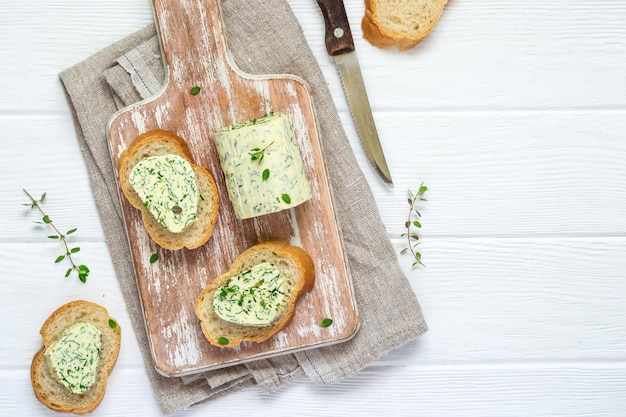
(192, 39)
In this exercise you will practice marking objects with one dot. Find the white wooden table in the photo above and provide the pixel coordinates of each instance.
(514, 115)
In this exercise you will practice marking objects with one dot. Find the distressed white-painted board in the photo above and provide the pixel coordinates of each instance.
(512, 112)
(168, 289)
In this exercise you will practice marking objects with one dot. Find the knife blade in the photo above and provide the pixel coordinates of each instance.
(340, 46)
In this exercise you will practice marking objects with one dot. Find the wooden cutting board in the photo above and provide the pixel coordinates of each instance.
(195, 54)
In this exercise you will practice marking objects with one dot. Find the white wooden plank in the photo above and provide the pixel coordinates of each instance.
(490, 174)
(547, 55)
(505, 173)
(515, 54)
(48, 37)
(485, 300)
(520, 299)
(45, 158)
(569, 390)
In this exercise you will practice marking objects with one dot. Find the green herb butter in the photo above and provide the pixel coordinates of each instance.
(73, 359)
(255, 297)
(168, 187)
(262, 163)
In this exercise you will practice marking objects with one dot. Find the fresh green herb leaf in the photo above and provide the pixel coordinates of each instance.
(112, 324)
(154, 258)
(266, 174)
(413, 221)
(257, 154)
(82, 270)
(222, 341)
(286, 198)
(326, 322)
(194, 90)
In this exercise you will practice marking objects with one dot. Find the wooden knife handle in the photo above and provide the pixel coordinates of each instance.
(338, 36)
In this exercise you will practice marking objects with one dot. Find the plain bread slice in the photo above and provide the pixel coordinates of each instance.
(400, 23)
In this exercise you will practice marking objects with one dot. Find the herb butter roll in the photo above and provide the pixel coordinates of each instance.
(262, 166)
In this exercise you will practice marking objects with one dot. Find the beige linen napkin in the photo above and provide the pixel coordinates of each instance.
(264, 38)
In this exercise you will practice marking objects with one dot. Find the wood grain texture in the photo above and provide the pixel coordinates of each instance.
(168, 288)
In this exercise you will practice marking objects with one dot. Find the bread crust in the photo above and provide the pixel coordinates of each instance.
(278, 250)
(378, 34)
(161, 142)
(47, 388)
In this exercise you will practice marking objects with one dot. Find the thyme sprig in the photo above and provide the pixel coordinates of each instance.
(257, 154)
(412, 222)
(81, 270)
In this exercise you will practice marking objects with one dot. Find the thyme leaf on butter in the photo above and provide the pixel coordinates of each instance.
(257, 154)
(286, 198)
(413, 222)
(81, 270)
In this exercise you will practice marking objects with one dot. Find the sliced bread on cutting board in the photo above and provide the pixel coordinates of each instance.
(400, 23)
(297, 271)
(160, 142)
(47, 387)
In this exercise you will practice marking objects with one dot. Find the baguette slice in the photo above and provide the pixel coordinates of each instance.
(400, 23)
(47, 387)
(162, 142)
(295, 266)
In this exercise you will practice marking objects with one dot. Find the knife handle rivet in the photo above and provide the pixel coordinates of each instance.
(338, 32)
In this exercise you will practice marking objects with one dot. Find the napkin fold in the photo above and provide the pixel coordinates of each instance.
(264, 37)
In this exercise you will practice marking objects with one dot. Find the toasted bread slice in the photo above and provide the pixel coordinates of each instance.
(400, 23)
(161, 142)
(47, 387)
(295, 266)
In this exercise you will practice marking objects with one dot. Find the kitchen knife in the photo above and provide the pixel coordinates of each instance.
(340, 46)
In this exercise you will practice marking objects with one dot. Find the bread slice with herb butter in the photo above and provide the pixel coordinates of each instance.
(184, 211)
(61, 339)
(400, 23)
(257, 297)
